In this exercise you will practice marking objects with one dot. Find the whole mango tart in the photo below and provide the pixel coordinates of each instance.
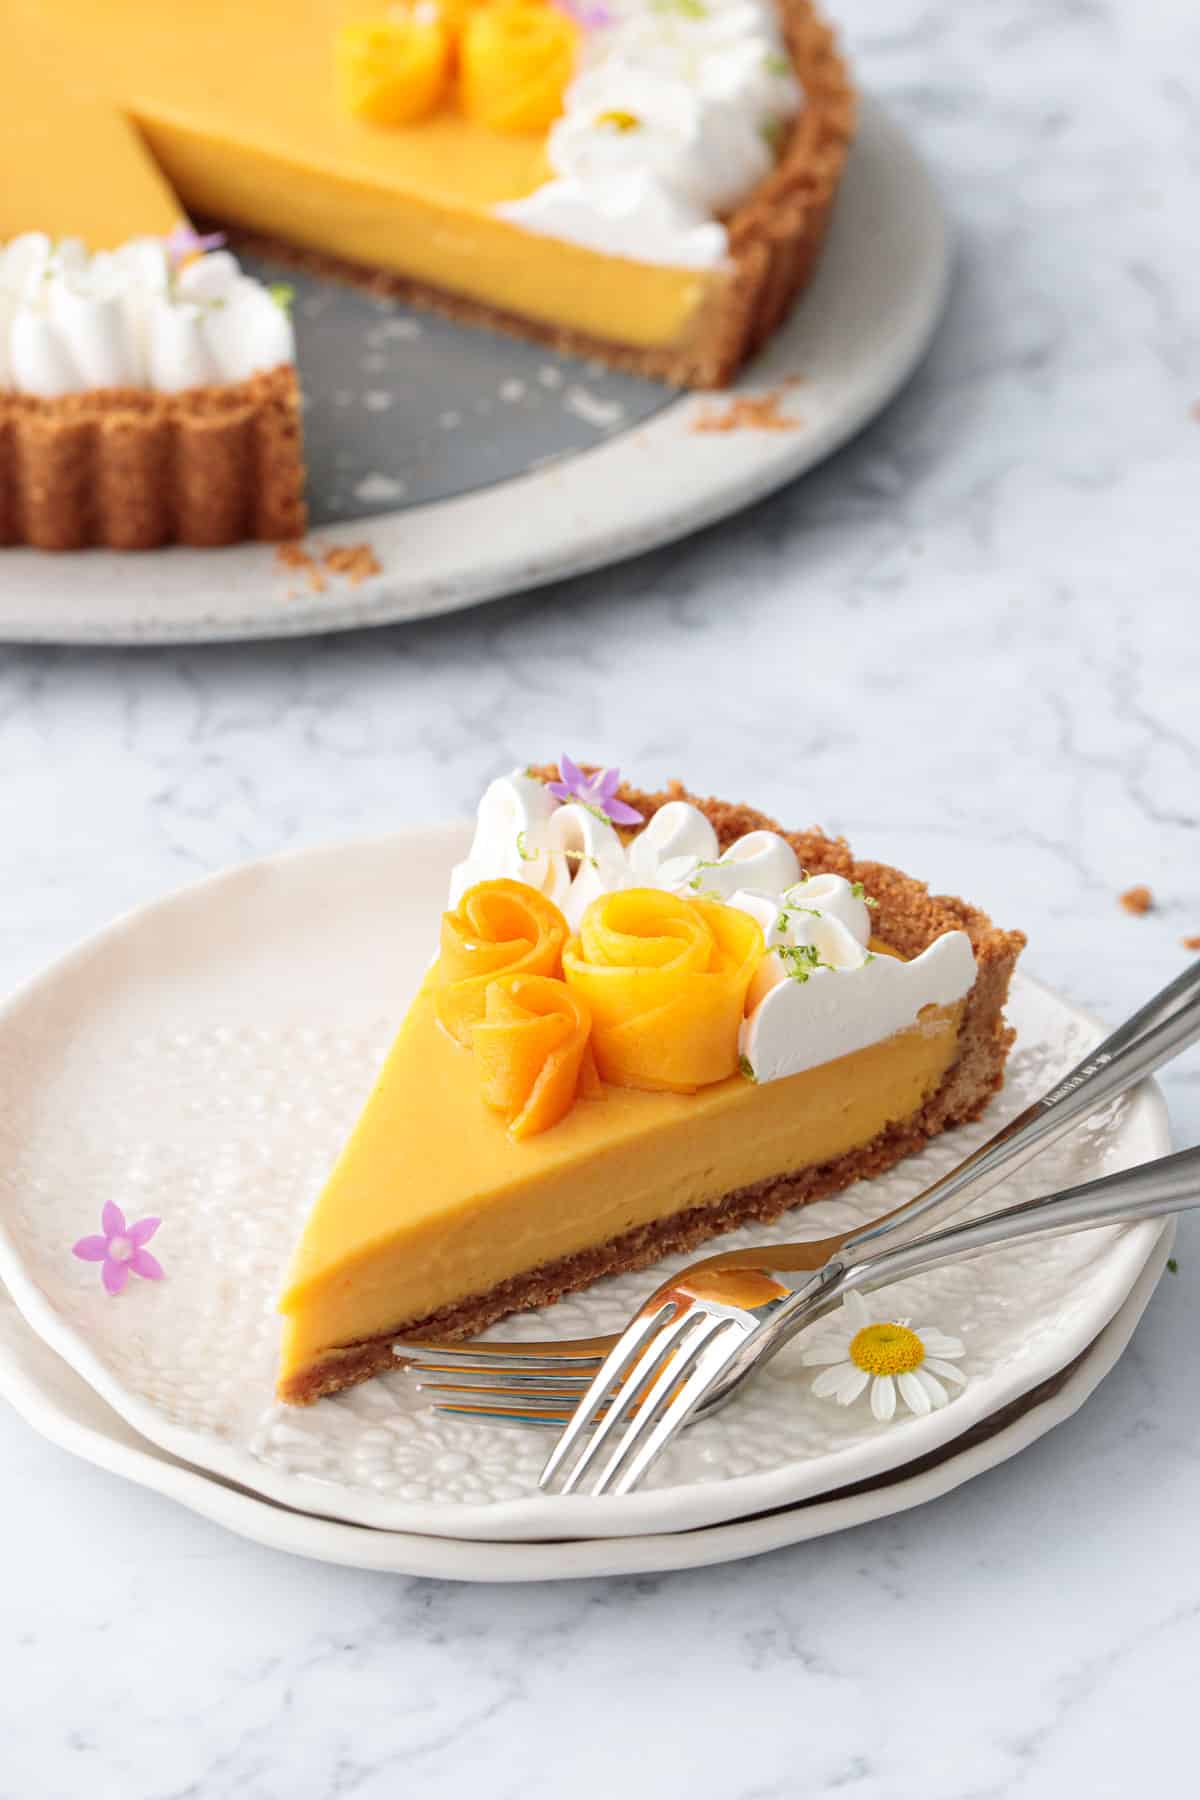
(649, 1018)
(643, 181)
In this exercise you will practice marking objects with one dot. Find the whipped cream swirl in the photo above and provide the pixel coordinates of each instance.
(569, 853)
(671, 121)
(819, 993)
(70, 322)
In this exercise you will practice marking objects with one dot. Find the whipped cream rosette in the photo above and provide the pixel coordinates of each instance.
(674, 117)
(136, 317)
(815, 990)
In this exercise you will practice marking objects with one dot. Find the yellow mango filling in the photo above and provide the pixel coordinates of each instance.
(432, 1200)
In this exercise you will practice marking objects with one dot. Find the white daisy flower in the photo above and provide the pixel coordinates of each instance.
(886, 1355)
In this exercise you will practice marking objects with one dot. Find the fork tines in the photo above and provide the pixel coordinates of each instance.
(656, 1375)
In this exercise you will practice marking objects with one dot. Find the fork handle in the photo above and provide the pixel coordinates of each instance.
(1154, 1034)
(1170, 1184)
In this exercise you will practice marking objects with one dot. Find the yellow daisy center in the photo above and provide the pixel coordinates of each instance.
(887, 1350)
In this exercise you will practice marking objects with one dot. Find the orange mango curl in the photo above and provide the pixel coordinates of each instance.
(498, 928)
(665, 980)
(516, 58)
(393, 70)
(532, 1050)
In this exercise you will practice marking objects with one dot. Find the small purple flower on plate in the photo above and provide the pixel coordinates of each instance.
(119, 1248)
(185, 242)
(597, 791)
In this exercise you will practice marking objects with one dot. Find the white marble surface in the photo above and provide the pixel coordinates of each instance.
(972, 642)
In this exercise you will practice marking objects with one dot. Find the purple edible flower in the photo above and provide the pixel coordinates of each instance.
(591, 17)
(119, 1248)
(597, 791)
(185, 242)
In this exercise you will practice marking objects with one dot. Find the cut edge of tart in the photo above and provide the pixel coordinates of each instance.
(952, 1084)
(775, 239)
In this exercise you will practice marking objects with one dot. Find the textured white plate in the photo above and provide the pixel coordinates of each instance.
(57, 1403)
(203, 1059)
(853, 340)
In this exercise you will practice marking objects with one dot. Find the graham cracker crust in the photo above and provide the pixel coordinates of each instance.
(775, 240)
(910, 919)
(127, 469)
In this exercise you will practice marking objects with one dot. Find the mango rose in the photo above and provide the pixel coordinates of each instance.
(498, 928)
(393, 70)
(665, 980)
(515, 60)
(532, 1050)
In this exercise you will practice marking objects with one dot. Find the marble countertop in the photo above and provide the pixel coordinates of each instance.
(971, 641)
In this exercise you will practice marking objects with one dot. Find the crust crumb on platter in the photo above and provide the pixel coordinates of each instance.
(357, 562)
(751, 412)
(353, 563)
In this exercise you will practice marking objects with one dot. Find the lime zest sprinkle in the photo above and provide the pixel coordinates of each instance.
(800, 960)
(619, 119)
(746, 1068)
(283, 294)
(523, 850)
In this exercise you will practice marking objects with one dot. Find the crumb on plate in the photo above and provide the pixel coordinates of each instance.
(751, 412)
(354, 562)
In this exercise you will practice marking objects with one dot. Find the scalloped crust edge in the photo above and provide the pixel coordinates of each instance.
(127, 469)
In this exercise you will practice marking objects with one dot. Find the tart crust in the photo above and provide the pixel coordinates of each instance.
(128, 469)
(909, 918)
(775, 239)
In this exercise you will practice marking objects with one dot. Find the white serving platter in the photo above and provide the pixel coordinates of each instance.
(545, 467)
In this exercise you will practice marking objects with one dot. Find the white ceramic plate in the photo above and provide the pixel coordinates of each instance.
(853, 340)
(203, 1059)
(57, 1403)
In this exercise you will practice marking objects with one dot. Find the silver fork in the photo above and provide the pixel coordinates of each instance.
(710, 1330)
(540, 1383)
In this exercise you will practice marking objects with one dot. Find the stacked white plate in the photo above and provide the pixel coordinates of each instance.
(202, 1060)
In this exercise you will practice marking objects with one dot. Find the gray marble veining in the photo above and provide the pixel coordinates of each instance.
(972, 641)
